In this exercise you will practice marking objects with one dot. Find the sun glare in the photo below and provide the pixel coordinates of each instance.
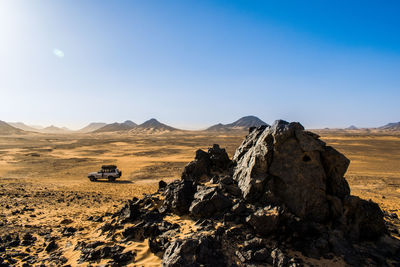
(58, 53)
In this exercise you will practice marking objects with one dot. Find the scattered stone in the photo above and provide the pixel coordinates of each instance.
(68, 231)
(51, 246)
(98, 219)
(28, 239)
(66, 221)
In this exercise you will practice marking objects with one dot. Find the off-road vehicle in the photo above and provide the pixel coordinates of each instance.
(109, 172)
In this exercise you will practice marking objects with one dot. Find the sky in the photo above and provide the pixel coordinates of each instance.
(192, 64)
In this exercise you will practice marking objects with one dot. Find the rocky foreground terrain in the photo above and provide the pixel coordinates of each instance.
(281, 201)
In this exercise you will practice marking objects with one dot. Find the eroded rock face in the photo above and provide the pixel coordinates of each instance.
(335, 165)
(293, 167)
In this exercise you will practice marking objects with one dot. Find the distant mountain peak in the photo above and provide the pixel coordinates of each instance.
(352, 127)
(7, 129)
(155, 124)
(248, 121)
(116, 127)
(241, 124)
(55, 129)
(23, 126)
(151, 122)
(91, 127)
(129, 123)
(393, 126)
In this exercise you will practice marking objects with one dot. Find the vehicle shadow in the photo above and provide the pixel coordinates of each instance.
(114, 182)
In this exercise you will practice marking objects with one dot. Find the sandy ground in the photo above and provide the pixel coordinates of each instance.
(44, 189)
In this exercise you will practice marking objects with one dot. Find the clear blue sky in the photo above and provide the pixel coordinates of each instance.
(196, 63)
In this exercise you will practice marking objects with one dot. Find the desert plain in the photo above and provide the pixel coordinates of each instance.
(45, 192)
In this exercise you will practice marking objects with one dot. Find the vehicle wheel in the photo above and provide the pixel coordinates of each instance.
(92, 179)
(111, 178)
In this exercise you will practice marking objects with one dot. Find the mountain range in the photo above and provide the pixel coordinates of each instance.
(152, 126)
(39, 129)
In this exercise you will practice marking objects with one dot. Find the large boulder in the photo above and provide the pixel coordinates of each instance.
(293, 166)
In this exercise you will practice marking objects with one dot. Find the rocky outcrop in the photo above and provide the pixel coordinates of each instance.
(286, 164)
(283, 191)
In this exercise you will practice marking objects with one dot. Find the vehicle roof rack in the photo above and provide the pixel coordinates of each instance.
(109, 167)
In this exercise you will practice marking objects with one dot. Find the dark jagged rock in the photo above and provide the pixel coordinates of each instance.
(161, 242)
(178, 196)
(68, 231)
(28, 239)
(219, 159)
(279, 258)
(130, 211)
(264, 220)
(89, 254)
(51, 246)
(216, 160)
(161, 185)
(285, 160)
(194, 251)
(198, 169)
(141, 231)
(286, 165)
(208, 201)
(231, 189)
(121, 259)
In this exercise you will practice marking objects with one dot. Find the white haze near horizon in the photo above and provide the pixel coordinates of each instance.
(117, 61)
